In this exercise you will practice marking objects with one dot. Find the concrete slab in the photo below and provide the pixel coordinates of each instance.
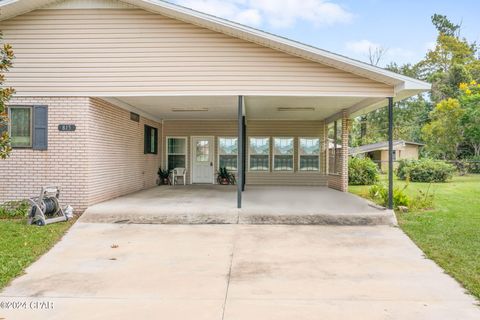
(236, 272)
(261, 205)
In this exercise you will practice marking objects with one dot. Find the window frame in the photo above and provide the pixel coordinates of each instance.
(250, 154)
(299, 169)
(155, 149)
(292, 155)
(176, 154)
(9, 109)
(218, 151)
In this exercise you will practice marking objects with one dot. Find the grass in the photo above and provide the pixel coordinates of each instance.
(449, 234)
(22, 244)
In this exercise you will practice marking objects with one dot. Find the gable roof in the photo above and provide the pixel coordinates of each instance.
(404, 86)
(381, 146)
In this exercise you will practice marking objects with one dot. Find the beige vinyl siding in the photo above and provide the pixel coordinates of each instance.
(118, 52)
(117, 164)
(295, 129)
(196, 128)
(216, 129)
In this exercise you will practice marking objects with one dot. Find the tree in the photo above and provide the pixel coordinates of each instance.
(444, 133)
(453, 61)
(470, 121)
(409, 116)
(376, 54)
(444, 25)
(6, 59)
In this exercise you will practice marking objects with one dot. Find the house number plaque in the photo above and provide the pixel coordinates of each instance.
(67, 127)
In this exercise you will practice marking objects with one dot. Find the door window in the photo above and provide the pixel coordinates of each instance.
(202, 153)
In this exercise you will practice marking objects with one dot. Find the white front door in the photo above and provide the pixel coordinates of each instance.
(202, 162)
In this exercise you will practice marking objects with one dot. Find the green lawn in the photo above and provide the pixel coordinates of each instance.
(22, 244)
(450, 233)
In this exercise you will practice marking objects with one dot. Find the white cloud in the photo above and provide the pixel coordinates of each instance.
(277, 13)
(249, 17)
(363, 49)
(362, 46)
(400, 54)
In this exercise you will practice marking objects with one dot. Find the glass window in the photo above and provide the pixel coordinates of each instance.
(176, 153)
(21, 127)
(151, 140)
(227, 153)
(283, 154)
(259, 153)
(309, 153)
(202, 153)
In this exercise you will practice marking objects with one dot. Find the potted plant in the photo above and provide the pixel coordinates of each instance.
(164, 177)
(224, 177)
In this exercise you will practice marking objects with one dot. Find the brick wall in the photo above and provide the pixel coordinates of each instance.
(104, 158)
(63, 164)
(116, 159)
(340, 181)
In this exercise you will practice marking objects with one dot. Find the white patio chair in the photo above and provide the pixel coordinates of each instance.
(179, 172)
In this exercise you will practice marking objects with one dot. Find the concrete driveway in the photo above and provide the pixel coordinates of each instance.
(114, 271)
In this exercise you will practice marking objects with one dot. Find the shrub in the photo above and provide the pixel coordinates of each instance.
(401, 170)
(424, 200)
(473, 165)
(362, 171)
(14, 209)
(379, 194)
(425, 170)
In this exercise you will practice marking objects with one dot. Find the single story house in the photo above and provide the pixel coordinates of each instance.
(108, 91)
(378, 152)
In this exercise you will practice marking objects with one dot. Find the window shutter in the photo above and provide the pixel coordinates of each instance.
(40, 127)
(156, 141)
(146, 141)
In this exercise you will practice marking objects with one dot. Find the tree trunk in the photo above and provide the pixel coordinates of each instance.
(476, 148)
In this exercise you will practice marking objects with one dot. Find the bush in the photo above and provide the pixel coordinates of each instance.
(379, 194)
(401, 170)
(473, 165)
(424, 200)
(425, 170)
(362, 171)
(14, 209)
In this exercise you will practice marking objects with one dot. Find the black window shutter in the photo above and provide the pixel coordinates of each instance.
(40, 127)
(147, 138)
(156, 141)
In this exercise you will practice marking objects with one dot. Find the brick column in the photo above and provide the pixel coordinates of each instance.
(344, 152)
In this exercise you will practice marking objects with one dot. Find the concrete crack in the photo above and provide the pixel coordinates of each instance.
(229, 274)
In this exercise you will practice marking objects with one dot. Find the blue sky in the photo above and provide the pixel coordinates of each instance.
(351, 27)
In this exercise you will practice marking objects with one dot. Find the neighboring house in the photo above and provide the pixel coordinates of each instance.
(378, 152)
(108, 91)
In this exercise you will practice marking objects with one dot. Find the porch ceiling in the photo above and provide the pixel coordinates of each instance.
(225, 107)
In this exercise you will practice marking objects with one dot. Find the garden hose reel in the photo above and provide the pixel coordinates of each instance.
(46, 208)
